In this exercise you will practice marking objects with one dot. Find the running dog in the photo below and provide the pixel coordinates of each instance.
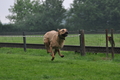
(54, 40)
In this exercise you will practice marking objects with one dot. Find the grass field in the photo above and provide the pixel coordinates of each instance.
(35, 64)
(90, 40)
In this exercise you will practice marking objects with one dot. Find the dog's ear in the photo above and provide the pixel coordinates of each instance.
(58, 30)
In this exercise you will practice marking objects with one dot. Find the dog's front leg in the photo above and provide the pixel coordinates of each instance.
(60, 53)
(53, 56)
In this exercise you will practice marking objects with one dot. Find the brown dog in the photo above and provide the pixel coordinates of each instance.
(55, 40)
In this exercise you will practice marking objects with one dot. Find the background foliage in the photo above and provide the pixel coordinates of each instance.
(39, 15)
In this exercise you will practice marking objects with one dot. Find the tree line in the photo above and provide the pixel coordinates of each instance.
(39, 15)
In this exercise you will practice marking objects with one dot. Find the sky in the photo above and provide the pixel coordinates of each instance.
(5, 5)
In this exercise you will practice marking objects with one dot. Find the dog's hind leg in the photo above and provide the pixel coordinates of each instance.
(53, 55)
(47, 48)
(55, 51)
(47, 45)
(60, 53)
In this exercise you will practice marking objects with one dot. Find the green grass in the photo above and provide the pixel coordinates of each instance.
(90, 40)
(37, 40)
(35, 64)
(100, 40)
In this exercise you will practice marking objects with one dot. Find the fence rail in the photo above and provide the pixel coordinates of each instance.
(102, 31)
(37, 36)
(75, 48)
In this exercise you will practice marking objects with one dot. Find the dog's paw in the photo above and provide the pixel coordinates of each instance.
(62, 56)
(52, 58)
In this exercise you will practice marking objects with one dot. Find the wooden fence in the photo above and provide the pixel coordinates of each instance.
(82, 47)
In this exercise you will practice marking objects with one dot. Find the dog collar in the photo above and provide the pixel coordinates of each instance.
(61, 37)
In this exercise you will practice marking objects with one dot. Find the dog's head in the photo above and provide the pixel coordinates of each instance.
(62, 33)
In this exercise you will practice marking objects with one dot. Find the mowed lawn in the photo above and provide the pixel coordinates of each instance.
(35, 64)
(72, 39)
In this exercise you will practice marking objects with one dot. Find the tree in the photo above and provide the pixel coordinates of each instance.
(54, 12)
(94, 14)
(1, 26)
(82, 14)
(20, 9)
(37, 14)
(31, 19)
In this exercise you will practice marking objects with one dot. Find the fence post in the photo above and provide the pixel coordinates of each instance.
(24, 41)
(82, 42)
(112, 44)
(107, 50)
